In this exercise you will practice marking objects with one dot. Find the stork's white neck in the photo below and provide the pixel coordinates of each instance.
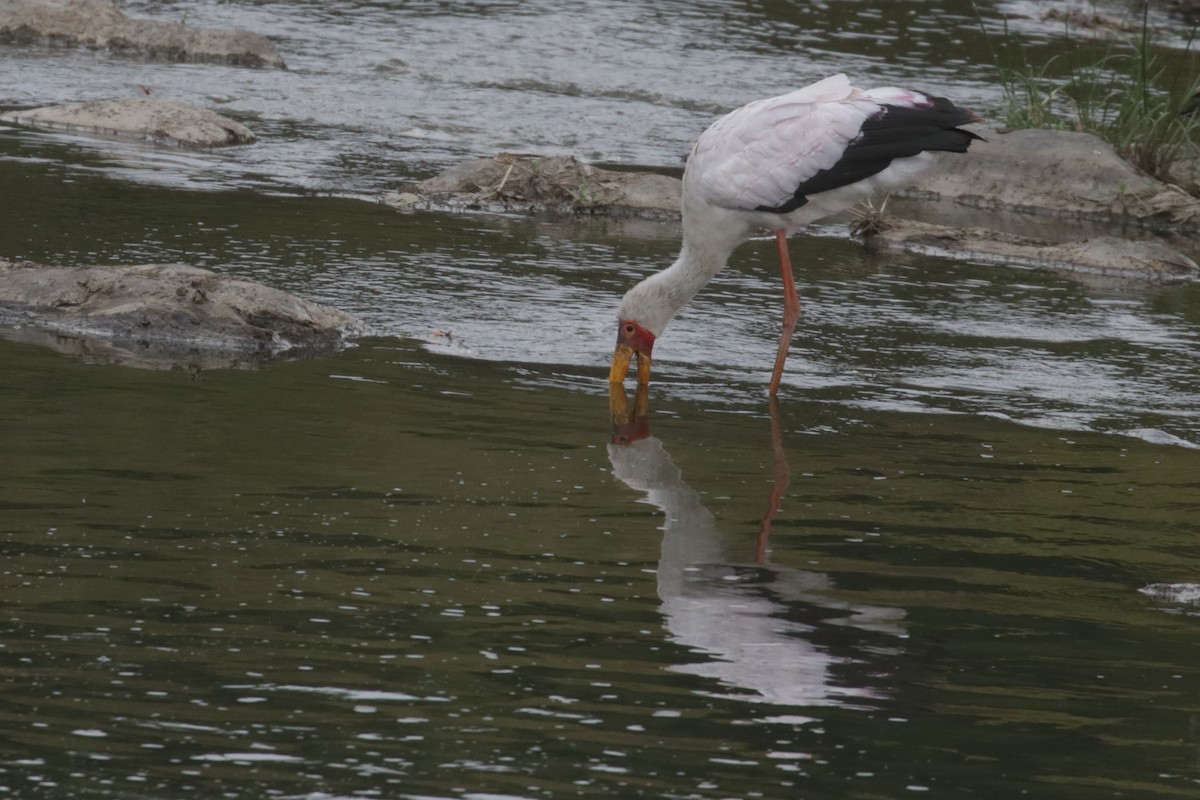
(658, 298)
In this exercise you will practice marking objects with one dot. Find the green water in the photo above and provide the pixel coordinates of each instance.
(397, 574)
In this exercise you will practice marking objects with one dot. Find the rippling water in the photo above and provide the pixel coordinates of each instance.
(380, 92)
(420, 569)
(409, 574)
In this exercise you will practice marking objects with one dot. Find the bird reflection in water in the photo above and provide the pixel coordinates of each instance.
(769, 634)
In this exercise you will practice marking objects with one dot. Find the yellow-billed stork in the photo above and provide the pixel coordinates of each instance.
(779, 164)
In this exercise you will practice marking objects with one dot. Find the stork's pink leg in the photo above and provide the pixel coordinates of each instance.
(791, 310)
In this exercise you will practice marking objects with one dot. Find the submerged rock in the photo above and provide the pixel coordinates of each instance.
(1109, 256)
(556, 183)
(100, 24)
(152, 118)
(166, 314)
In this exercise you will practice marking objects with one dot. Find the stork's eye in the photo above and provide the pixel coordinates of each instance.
(627, 328)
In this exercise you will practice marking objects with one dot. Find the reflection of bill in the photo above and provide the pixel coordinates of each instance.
(746, 619)
(630, 423)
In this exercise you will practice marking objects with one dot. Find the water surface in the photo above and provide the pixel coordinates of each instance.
(409, 574)
(420, 568)
(381, 92)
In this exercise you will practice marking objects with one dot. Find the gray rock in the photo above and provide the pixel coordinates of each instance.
(100, 24)
(1057, 173)
(1185, 173)
(167, 313)
(152, 118)
(559, 183)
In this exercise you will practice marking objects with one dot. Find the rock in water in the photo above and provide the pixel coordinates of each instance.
(152, 118)
(100, 24)
(169, 309)
(562, 183)
(1123, 260)
(1058, 173)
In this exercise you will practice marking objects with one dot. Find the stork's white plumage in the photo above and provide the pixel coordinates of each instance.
(779, 164)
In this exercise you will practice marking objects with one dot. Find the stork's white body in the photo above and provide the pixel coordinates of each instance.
(780, 164)
(757, 156)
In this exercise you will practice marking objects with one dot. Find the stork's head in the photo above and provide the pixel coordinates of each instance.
(633, 339)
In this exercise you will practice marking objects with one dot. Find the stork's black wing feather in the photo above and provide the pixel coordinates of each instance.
(890, 133)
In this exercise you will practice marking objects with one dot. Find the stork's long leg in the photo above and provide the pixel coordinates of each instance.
(791, 310)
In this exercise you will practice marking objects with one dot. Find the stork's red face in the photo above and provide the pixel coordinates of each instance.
(632, 340)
